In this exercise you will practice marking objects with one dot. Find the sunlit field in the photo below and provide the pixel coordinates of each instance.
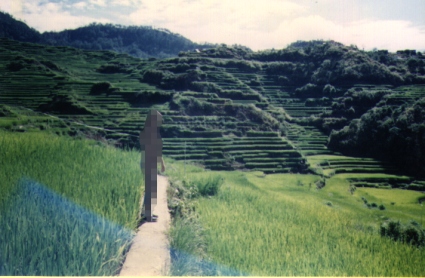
(281, 225)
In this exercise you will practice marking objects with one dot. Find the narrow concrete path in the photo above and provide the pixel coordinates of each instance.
(149, 254)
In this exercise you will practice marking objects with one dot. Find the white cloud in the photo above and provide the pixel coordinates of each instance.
(125, 3)
(382, 34)
(271, 24)
(11, 7)
(80, 5)
(52, 17)
(386, 34)
(216, 20)
(368, 34)
(101, 3)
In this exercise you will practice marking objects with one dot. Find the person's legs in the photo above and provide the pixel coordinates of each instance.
(142, 168)
(154, 185)
(151, 192)
(148, 197)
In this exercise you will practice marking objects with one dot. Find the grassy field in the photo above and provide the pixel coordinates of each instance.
(281, 225)
(68, 207)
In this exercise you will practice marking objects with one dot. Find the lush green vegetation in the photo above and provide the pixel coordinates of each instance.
(109, 91)
(225, 94)
(303, 109)
(68, 207)
(187, 245)
(282, 225)
(412, 233)
(389, 133)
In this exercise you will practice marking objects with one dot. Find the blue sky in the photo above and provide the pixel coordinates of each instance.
(258, 24)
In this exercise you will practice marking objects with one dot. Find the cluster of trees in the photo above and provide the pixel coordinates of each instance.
(389, 133)
(352, 105)
(197, 107)
(322, 62)
(17, 30)
(372, 123)
(221, 51)
(20, 62)
(169, 80)
(141, 98)
(242, 65)
(66, 104)
(114, 68)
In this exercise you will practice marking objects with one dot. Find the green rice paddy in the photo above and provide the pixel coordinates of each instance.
(69, 207)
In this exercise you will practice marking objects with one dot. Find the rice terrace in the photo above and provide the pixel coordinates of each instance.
(302, 161)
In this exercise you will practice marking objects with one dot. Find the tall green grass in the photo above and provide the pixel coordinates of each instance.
(187, 247)
(279, 225)
(68, 207)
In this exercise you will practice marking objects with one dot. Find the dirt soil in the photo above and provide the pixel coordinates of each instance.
(149, 254)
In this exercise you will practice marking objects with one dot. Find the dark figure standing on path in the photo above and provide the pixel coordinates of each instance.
(151, 145)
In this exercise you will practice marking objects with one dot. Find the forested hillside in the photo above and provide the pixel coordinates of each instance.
(17, 30)
(232, 108)
(138, 41)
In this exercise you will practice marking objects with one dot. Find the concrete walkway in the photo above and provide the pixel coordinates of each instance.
(149, 254)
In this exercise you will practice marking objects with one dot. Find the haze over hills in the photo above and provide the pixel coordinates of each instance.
(138, 41)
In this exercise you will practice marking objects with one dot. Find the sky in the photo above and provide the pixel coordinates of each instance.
(258, 24)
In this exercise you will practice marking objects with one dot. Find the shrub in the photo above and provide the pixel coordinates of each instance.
(411, 233)
(153, 76)
(308, 90)
(205, 87)
(100, 88)
(329, 90)
(113, 68)
(320, 183)
(144, 97)
(381, 207)
(209, 186)
(15, 66)
(391, 229)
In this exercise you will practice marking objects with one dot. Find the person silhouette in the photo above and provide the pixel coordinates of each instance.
(151, 150)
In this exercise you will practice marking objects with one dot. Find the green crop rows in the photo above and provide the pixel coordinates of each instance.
(51, 81)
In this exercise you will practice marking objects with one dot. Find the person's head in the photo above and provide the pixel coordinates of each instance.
(153, 120)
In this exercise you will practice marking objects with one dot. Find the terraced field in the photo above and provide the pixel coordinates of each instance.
(63, 89)
(223, 113)
(271, 154)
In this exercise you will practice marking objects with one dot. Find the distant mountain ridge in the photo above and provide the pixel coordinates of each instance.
(138, 41)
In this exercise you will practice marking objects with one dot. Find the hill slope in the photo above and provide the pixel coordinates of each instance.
(17, 30)
(226, 107)
(138, 41)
